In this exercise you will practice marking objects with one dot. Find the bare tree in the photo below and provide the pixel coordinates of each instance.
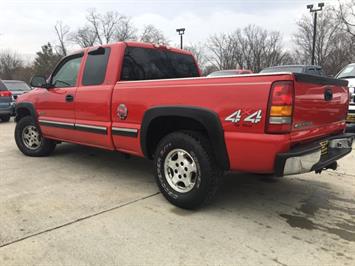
(260, 48)
(198, 50)
(109, 22)
(110, 26)
(84, 37)
(346, 14)
(151, 34)
(251, 47)
(94, 20)
(9, 63)
(104, 28)
(327, 29)
(63, 32)
(125, 30)
(341, 54)
(274, 52)
(222, 50)
(328, 52)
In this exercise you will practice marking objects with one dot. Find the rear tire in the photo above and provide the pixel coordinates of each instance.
(186, 170)
(29, 138)
(5, 118)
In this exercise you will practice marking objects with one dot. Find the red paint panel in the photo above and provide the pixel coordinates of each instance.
(126, 143)
(254, 152)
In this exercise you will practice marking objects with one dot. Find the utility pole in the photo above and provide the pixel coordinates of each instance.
(312, 10)
(181, 32)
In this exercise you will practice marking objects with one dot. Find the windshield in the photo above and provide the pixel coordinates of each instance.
(283, 69)
(347, 72)
(17, 86)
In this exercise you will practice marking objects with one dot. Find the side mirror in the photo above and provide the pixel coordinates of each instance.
(39, 82)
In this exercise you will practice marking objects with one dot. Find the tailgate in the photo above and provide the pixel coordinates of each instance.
(320, 107)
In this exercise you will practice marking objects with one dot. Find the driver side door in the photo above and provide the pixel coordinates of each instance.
(56, 106)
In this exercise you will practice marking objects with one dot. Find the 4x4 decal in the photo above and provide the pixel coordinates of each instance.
(254, 118)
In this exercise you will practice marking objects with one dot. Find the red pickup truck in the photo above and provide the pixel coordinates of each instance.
(150, 101)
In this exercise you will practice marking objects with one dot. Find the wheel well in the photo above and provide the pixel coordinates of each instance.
(162, 120)
(162, 126)
(21, 113)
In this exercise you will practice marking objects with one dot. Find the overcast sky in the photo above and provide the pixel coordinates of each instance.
(26, 25)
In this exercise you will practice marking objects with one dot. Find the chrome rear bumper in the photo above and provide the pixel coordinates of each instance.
(314, 157)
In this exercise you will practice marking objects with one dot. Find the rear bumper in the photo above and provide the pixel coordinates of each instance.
(310, 158)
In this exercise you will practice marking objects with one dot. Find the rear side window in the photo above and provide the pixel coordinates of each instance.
(96, 66)
(144, 64)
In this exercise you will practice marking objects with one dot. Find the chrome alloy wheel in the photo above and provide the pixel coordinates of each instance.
(180, 170)
(31, 137)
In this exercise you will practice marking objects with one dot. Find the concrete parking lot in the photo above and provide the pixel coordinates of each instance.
(84, 206)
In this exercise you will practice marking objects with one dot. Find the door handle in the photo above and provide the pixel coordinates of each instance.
(69, 98)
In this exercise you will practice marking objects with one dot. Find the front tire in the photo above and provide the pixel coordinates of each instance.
(29, 139)
(186, 170)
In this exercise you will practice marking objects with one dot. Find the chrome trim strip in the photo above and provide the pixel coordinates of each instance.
(127, 132)
(55, 122)
(82, 127)
(91, 127)
(122, 129)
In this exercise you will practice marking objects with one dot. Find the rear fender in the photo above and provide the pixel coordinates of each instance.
(205, 117)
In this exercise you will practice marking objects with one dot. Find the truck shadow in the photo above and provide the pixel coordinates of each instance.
(236, 189)
(301, 201)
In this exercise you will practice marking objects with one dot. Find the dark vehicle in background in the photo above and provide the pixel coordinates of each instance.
(6, 103)
(230, 72)
(305, 69)
(348, 73)
(9, 91)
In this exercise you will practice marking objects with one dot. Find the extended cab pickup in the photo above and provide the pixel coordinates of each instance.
(150, 101)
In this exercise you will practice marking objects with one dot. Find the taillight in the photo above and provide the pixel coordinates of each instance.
(5, 94)
(280, 108)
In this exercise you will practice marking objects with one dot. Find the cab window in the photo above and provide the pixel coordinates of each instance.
(66, 73)
(146, 63)
(95, 66)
